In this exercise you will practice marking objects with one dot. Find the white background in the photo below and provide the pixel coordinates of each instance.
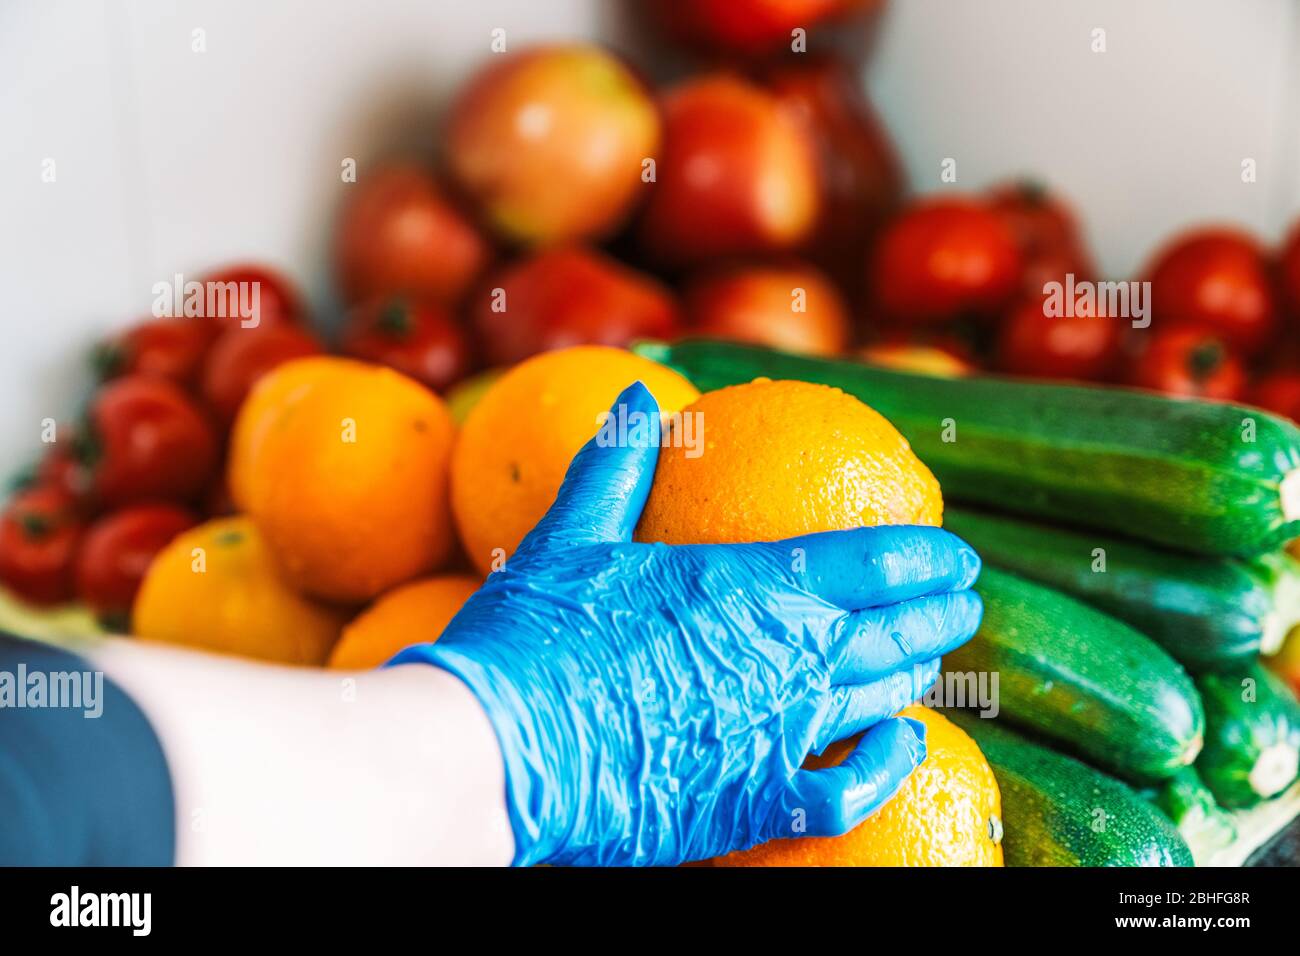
(173, 161)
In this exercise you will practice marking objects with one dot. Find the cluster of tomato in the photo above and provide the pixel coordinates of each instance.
(144, 461)
(972, 276)
(758, 199)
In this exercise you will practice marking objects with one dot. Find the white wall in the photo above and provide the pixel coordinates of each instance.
(169, 160)
(1146, 137)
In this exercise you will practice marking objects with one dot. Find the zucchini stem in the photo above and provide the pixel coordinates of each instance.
(1275, 768)
(1289, 494)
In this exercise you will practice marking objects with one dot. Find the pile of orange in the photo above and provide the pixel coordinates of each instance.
(364, 504)
(361, 499)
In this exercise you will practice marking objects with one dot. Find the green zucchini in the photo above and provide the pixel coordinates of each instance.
(1057, 811)
(1207, 613)
(1207, 477)
(1186, 800)
(1082, 679)
(1252, 736)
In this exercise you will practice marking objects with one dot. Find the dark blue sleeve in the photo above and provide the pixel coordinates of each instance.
(83, 779)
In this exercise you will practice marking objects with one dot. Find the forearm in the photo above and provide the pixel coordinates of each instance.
(276, 765)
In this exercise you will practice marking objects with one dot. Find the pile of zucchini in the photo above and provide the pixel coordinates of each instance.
(1133, 575)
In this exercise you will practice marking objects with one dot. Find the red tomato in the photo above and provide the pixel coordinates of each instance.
(116, 553)
(270, 296)
(792, 307)
(1216, 280)
(1189, 363)
(748, 27)
(147, 440)
(418, 338)
(1289, 275)
(861, 179)
(1046, 232)
(39, 534)
(64, 467)
(238, 360)
(566, 296)
(399, 232)
(1079, 347)
(1278, 391)
(943, 259)
(173, 349)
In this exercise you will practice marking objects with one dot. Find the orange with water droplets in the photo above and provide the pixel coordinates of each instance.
(343, 466)
(784, 458)
(517, 441)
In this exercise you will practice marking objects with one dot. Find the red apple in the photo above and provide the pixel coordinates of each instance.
(550, 143)
(399, 232)
(737, 175)
(565, 296)
(860, 178)
(790, 306)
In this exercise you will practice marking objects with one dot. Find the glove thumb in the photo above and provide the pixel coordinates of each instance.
(608, 480)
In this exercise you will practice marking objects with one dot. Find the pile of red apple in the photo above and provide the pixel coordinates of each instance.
(758, 199)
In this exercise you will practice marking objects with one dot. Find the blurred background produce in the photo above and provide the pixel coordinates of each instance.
(459, 230)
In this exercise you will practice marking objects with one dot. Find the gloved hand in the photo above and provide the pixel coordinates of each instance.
(654, 703)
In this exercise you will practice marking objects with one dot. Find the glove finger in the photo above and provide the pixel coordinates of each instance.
(879, 641)
(870, 567)
(834, 800)
(856, 707)
(608, 480)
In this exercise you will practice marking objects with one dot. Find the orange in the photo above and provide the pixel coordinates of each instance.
(415, 613)
(947, 813)
(518, 440)
(785, 458)
(217, 588)
(343, 467)
(925, 359)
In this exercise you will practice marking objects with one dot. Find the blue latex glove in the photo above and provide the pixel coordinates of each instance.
(654, 703)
